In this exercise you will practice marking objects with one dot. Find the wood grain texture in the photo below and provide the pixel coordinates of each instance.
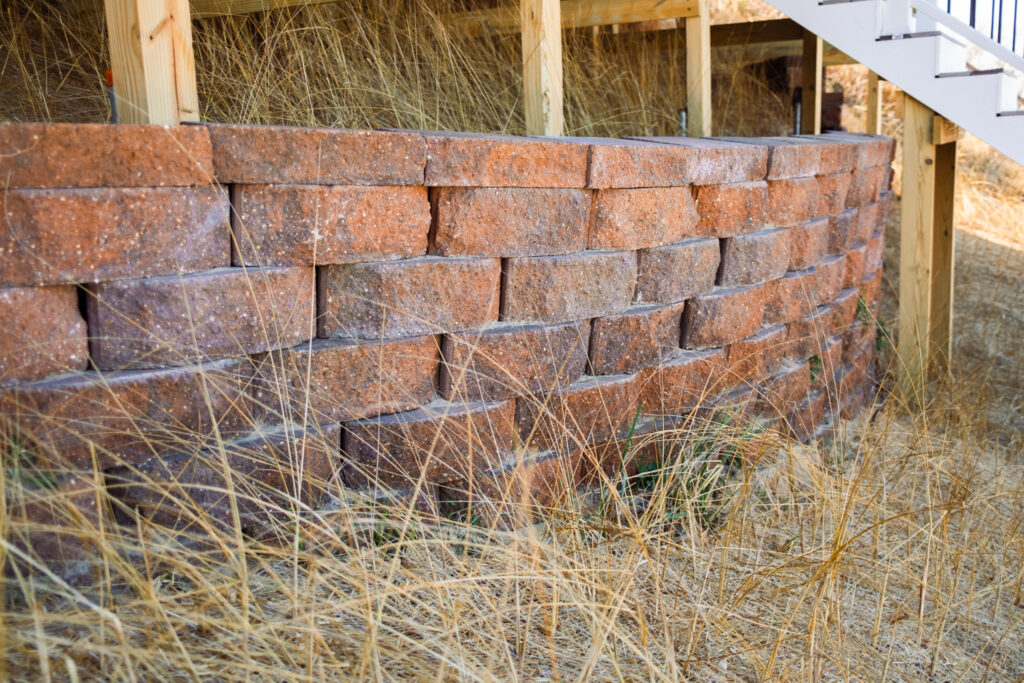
(810, 108)
(943, 257)
(873, 101)
(542, 66)
(214, 8)
(698, 73)
(152, 61)
(574, 14)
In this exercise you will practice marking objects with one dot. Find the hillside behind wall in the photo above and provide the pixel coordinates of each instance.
(418, 302)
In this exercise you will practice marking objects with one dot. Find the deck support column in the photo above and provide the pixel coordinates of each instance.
(873, 104)
(542, 65)
(926, 247)
(810, 103)
(152, 61)
(698, 73)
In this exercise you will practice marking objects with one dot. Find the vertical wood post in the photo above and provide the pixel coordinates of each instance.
(698, 73)
(152, 60)
(873, 124)
(810, 105)
(926, 248)
(542, 65)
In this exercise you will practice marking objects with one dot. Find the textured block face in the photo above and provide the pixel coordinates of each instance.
(127, 416)
(282, 225)
(792, 201)
(92, 235)
(641, 218)
(408, 298)
(866, 186)
(808, 336)
(280, 154)
(785, 390)
(684, 381)
(808, 244)
(755, 258)
(677, 272)
(825, 366)
(832, 191)
(572, 287)
(791, 297)
(159, 322)
(803, 421)
(792, 158)
(853, 271)
(342, 380)
(637, 338)
(732, 209)
(440, 441)
(511, 360)
(590, 411)
(841, 228)
(866, 222)
(829, 278)
(43, 333)
(510, 221)
(844, 309)
(666, 162)
(757, 356)
(52, 155)
(461, 160)
(873, 254)
(169, 490)
(725, 315)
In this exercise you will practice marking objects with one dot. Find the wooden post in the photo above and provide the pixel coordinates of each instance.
(698, 73)
(873, 124)
(542, 65)
(151, 57)
(810, 105)
(926, 249)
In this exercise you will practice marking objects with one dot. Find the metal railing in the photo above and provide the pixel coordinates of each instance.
(996, 26)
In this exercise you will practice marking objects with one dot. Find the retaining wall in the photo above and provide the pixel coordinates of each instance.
(439, 301)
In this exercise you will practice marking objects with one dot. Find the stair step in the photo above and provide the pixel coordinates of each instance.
(1015, 112)
(972, 72)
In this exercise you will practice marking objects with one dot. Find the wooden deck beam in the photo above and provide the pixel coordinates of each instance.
(574, 14)
(698, 73)
(873, 104)
(810, 107)
(542, 66)
(216, 8)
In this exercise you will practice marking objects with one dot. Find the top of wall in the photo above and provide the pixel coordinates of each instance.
(48, 156)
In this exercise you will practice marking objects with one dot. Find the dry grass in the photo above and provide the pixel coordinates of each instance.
(893, 552)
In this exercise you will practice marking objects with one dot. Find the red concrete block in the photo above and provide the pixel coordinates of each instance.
(866, 222)
(669, 162)
(874, 253)
(804, 421)
(510, 221)
(55, 526)
(832, 191)
(757, 356)
(734, 209)
(792, 157)
(316, 156)
(511, 360)
(870, 150)
(871, 291)
(684, 381)
(676, 272)
(824, 367)
(853, 271)
(866, 186)
(808, 244)
(841, 227)
(792, 201)
(857, 340)
(571, 287)
(476, 160)
(844, 309)
(755, 258)
(829, 278)
(885, 200)
(515, 495)
(129, 416)
(592, 410)
(642, 218)
(836, 156)
(439, 442)
(784, 390)
(265, 474)
(342, 380)
(725, 315)
(160, 322)
(283, 225)
(43, 333)
(635, 339)
(791, 297)
(93, 235)
(808, 336)
(54, 155)
(408, 298)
